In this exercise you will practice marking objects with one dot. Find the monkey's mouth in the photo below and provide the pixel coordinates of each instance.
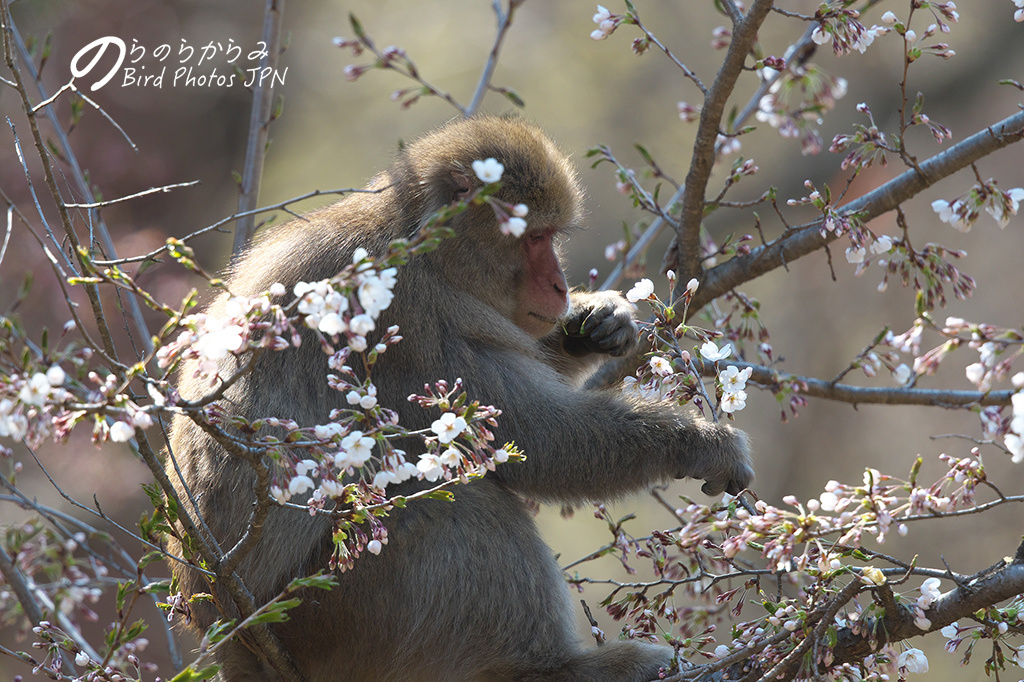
(548, 320)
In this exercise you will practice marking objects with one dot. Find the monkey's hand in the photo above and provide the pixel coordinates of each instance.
(717, 453)
(600, 322)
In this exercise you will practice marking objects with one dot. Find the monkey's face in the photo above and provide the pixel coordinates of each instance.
(543, 295)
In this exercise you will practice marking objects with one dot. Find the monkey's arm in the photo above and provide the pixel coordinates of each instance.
(598, 325)
(584, 444)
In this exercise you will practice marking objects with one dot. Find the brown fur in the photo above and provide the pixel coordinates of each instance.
(464, 590)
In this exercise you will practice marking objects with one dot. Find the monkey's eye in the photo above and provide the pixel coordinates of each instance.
(537, 237)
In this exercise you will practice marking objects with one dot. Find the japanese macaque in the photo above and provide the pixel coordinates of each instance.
(464, 590)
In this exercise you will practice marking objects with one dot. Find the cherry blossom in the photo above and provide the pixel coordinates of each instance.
(448, 427)
(734, 379)
(121, 432)
(856, 254)
(734, 401)
(356, 450)
(1015, 444)
(606, 24)
(901, 374)
(641, 291)
(450, 457)
(56, 376)
(300, 485)
(430, 466)
(710, 352)
(332, 324)
(930, 592)
(881, 245)
(913, 660)
(661, 366)
(375, 292)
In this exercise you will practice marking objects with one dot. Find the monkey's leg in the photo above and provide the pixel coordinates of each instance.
(613, 662)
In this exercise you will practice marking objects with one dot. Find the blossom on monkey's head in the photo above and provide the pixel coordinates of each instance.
(514, 226)
(489, 170)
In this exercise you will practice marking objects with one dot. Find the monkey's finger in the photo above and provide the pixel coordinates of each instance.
(615, 336)
(713, 488)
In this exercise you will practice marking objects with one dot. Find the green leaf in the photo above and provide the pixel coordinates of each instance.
(190, 675)
(275, 613)
(513, 96)
(324, 581)
(218, 631)
(357, 27)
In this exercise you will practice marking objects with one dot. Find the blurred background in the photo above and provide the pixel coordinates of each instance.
(334, 133)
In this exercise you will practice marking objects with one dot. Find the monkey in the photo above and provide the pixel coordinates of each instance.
(465, 589)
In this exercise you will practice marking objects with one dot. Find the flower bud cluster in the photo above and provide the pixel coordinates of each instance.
(606, 23)
(962, 212)
(796, 101)
(842, 28)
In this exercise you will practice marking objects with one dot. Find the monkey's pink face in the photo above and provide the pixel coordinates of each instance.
(544, 297)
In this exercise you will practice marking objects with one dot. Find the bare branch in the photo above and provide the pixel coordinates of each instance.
(18, 583)
(134, 310)
(259, 126)
(151, 190)
(504, 21)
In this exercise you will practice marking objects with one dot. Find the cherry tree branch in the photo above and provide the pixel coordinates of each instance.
(504, 22)
(801, 241)
(260, 117)
(861, 395)
(695, 186)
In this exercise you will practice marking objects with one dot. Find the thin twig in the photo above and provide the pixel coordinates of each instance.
(504, 21)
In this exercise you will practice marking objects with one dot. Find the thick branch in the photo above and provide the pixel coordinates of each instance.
(1005, 583)
(688, 232)
(859, 395)
(885, 198)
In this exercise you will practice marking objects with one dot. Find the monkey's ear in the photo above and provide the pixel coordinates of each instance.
(463, 185)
